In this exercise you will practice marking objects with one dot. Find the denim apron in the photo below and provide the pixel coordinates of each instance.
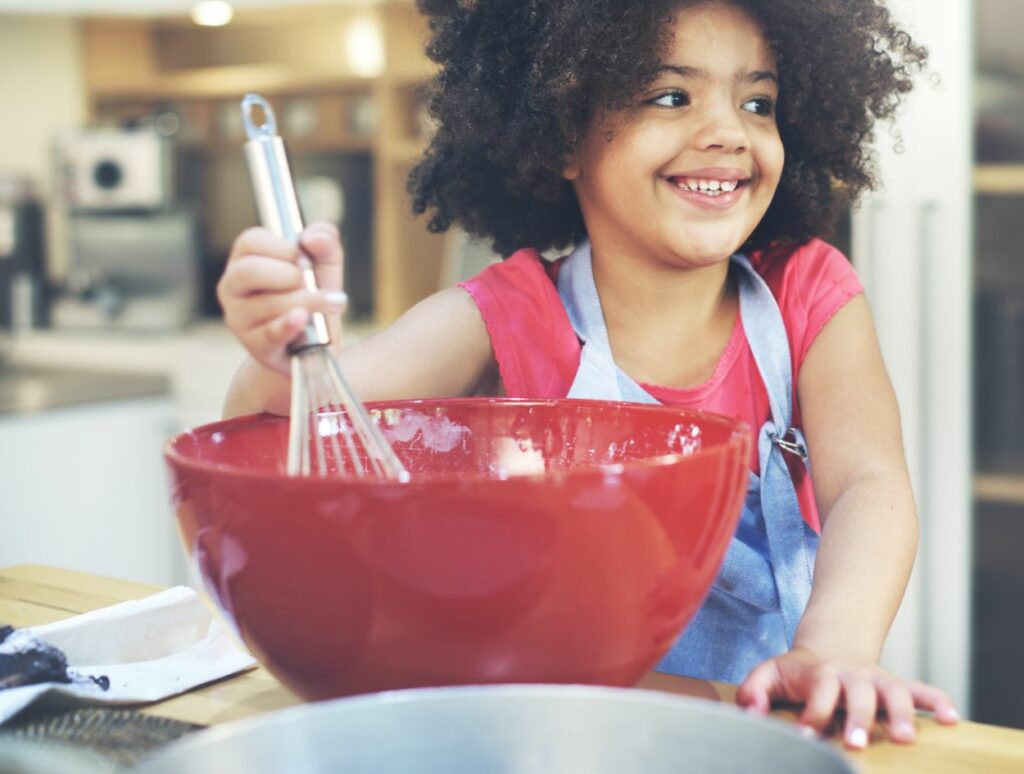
(753, 608)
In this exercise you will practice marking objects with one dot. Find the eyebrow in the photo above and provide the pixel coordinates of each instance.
(755, 76)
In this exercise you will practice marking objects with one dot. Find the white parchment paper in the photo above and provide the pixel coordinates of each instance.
(149, 649)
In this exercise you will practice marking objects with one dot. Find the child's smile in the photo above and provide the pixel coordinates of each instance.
(717, 188)
(685, 174)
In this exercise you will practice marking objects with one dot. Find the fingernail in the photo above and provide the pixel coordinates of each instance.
(952, 714)
(336, 298)
(858, 738)
(904, 730)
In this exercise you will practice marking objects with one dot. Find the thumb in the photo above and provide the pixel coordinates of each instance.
(322, 243)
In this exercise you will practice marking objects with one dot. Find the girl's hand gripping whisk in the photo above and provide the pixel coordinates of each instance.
(329, 429)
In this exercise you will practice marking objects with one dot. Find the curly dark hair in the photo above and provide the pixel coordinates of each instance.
(519, 81)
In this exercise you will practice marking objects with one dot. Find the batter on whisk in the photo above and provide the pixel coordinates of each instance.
(683, 154)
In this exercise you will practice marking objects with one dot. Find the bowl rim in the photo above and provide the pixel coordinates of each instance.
(320, 714)
(740, 435)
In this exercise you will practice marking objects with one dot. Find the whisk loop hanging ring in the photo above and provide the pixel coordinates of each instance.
(329, 428)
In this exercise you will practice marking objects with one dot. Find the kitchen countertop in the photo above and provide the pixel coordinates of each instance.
(32, 595)
(28, 388)
(198, 361)
(195, 363)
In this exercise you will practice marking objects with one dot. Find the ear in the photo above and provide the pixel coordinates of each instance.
(571, 167)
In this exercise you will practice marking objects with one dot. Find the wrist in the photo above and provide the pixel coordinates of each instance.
(838, 640)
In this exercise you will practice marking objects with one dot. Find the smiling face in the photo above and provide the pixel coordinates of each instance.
(692, 165)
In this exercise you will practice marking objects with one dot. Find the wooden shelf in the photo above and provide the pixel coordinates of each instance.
(999, 179)
(1007, 488)
(406, 151)
(339, 144)
(226, 82)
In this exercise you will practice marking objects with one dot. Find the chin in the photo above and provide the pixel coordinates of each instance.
(704, 245)
(705, 254)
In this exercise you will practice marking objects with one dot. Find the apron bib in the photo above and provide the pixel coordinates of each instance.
(756, 602)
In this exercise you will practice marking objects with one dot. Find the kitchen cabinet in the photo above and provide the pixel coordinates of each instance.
(998, 275)
(357, 122)
(82, 482)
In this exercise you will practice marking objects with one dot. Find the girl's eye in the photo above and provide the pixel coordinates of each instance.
(762, 106)
(672, 99)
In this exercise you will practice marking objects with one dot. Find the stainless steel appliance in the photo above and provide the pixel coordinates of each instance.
(134, 243)
(131, 272)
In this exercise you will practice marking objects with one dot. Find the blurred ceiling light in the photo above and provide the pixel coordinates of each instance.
(364, 47)
(212, 13)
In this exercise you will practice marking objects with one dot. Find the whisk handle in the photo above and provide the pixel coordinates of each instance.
(277, 202)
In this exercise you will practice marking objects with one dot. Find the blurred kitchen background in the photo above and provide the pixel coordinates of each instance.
(122, 185)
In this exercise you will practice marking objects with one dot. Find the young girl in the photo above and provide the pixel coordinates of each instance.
(688, 151)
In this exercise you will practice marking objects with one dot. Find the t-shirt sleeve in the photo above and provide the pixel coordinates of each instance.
(811, 285)
(533, 342)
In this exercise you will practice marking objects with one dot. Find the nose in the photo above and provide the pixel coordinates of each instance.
(721, 129)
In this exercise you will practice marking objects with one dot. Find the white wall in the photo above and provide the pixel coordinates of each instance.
(42, 93)
(912, 248)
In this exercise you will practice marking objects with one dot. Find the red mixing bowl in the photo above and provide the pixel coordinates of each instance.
(538, 541)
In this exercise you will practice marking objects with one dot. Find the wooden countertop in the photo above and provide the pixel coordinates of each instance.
(32, 595)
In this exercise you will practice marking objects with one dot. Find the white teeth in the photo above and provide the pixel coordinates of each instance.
(709, 187)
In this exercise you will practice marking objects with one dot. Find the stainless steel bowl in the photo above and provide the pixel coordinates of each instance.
(513, 729)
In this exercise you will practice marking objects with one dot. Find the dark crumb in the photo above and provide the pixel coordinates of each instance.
(34, 661)
(37, 665)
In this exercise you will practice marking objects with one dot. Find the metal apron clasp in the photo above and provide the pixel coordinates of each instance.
(790, 442)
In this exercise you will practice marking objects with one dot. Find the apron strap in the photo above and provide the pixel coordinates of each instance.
(600, 378)
(762, 323)
(792, 560)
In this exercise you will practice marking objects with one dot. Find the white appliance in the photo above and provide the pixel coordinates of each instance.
(115, 169)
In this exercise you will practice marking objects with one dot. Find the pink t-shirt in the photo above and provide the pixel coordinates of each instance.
(538, 352)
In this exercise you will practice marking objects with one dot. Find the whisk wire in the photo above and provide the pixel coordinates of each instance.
(334, 426)
(378, 452)
(319, 399)
(298, 451)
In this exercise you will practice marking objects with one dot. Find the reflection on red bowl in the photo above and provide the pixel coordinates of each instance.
(538, 541)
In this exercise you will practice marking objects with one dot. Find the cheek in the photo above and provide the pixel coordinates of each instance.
(772, 161)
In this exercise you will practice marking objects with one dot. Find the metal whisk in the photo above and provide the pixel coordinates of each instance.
(328, 427)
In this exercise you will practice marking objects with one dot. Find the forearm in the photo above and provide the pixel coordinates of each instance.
(868, 543)
(256, 388)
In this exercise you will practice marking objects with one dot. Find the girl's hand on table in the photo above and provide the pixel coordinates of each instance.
(800, 677)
